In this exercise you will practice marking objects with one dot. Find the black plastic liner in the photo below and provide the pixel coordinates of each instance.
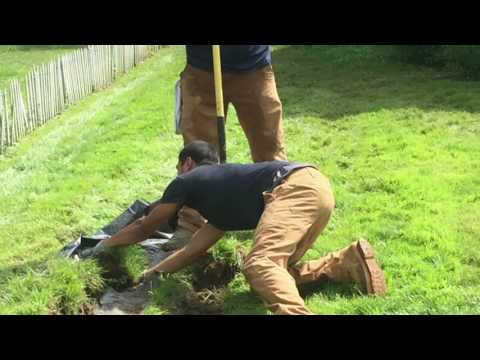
(136, 211)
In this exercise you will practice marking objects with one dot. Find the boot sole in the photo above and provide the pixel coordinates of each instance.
(374, 276)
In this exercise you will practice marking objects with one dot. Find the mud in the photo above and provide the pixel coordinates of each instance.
(209, 274)
(121, 298)
(210, 280)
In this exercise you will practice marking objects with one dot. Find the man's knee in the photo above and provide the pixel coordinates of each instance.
(251, 266)
(256, 266)
(269, 148)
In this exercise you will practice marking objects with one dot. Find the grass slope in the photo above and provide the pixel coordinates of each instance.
(16, 62)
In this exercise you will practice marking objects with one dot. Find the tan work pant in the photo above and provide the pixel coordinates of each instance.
(296, 212)
(255, 98)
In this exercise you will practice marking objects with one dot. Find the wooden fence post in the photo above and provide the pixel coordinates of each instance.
(52, 87)
(2, 124)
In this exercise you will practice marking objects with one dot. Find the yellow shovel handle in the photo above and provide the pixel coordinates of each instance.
(217, 70)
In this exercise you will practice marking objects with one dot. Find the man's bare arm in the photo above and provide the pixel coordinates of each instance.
(203, 240)
(141, 229)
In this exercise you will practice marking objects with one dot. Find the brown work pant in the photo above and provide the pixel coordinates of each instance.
(255, 98)
(296, 212)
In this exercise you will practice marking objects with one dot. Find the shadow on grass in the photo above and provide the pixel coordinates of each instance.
(243, 303)
(337, 81)
(329, 289)
(112, 268)
(8, 272)
(247, 303)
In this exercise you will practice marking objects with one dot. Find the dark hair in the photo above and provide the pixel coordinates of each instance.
(201, 152)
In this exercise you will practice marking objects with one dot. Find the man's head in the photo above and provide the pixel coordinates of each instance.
(195, 154)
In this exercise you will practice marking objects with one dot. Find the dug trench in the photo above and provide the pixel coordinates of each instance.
(209, 282)
(203, 287)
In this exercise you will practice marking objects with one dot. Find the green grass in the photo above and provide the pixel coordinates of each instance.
(399, 143)
(17, 61)
(122, 266)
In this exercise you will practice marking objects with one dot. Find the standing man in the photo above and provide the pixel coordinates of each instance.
(249, 85)
(287, 204)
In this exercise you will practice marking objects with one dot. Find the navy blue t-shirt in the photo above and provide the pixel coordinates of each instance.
(229, 196)
(234, 57)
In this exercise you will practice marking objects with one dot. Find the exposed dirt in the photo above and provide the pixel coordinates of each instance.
(121, 297)
(114, 274)
(209, 281)
(131, 301)
(209, 274)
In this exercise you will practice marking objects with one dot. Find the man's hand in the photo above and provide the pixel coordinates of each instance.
(92, 252)
(148, 276)
(203, 240)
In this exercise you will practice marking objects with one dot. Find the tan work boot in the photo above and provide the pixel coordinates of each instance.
(367, 273)
(354, 263)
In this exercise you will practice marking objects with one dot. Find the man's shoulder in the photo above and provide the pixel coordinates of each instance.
(221, 168)
(197, 172)
(259, 164)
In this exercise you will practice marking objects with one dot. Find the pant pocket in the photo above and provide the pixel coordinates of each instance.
(268, 73)
(268, 197)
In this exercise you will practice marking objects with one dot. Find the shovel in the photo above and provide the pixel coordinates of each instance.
(217, 72)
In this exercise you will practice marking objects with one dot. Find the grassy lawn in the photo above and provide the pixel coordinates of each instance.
(399, 143)
(16, 62)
